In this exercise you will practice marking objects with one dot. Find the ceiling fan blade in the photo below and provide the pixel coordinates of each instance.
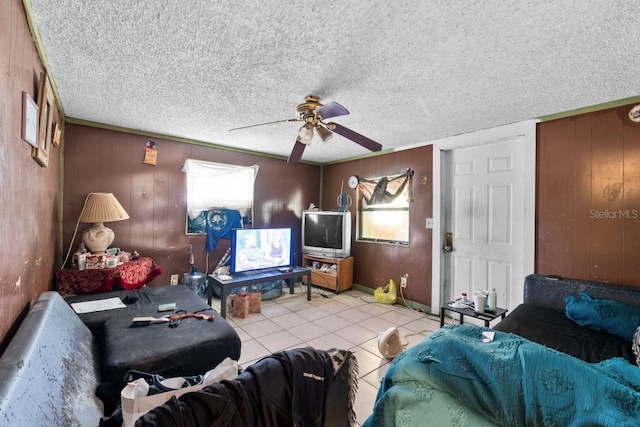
(332, 109)
(267, 123)
(296, 153)
(367, 143)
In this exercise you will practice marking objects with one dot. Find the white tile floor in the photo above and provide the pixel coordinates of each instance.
(350, 320)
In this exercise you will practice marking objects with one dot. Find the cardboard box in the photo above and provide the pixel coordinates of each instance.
(96, 261)
(241, 306)
(255, 301)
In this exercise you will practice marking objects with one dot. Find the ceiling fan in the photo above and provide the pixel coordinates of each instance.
(314, 114)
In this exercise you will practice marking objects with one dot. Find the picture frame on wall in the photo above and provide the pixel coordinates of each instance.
(57, 132)
(29, 120)
(45, 121)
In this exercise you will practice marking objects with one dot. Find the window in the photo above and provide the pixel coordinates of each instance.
(213, 186)
(383, 209)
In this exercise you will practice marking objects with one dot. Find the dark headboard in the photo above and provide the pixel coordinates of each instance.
(550, 291)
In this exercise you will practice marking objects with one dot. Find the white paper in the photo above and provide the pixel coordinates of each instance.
(488, 336)
(97, 305)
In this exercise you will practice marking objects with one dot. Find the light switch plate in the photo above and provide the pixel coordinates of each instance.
(174, 279)
(429, 222)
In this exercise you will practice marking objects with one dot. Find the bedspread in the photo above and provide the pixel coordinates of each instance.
(510, 381)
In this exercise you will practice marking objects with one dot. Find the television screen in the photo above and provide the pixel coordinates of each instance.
(326, 233)
(261, 248)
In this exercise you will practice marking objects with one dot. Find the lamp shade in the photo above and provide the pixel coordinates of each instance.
(324, 133)
(305, 134)
(102, 207)
(99, 208)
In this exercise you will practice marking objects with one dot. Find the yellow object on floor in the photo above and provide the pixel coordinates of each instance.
(386, 295)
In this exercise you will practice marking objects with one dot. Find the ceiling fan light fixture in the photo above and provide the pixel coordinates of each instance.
(305, 134)
(324, 133)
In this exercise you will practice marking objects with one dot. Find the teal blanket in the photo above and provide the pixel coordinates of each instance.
(452, 378)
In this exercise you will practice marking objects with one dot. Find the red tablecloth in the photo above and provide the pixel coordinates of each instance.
(130, 275)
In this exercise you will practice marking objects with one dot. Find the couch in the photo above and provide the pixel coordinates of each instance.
(51, 369)
(542, 368)
(55, 362)
(541, 317)
(192, 347)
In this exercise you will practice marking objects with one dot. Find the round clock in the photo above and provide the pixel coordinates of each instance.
(353, 182)
(634, 115)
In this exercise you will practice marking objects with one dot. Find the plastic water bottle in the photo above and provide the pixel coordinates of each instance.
(493, 299)
(194, 280)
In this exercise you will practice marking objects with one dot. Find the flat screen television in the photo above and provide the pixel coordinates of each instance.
(326, 233)
(261, 248)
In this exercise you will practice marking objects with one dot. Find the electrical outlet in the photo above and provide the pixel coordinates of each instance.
(174, 279)
(403, 281)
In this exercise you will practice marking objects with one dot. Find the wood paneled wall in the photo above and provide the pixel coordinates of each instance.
(102, 160)
(374, 263)
(588, 197)
(28, 191)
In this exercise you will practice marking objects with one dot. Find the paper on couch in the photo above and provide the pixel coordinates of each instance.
(97, 305)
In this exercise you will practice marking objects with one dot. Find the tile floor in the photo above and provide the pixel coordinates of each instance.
(350, 320)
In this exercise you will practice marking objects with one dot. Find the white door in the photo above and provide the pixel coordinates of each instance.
(487, 195)
(484, 216)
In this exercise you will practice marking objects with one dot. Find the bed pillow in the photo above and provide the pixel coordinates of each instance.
(614, 317)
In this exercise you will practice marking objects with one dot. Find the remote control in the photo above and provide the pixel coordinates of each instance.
(167, 307)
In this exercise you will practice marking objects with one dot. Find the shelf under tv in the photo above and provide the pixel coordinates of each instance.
(338, 279)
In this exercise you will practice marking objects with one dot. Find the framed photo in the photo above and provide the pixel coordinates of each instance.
(56, 134)
(45, 121)
(29, 120)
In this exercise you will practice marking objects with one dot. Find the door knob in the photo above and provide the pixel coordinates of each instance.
(448, 242)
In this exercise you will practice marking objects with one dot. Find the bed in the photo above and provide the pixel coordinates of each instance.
(454, 378)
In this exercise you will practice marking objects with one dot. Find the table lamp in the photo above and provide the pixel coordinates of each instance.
(100, 208)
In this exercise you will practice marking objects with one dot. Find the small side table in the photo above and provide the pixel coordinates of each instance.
(468, 311)
(129, 275)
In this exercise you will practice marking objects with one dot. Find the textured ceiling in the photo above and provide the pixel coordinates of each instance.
(408, 71)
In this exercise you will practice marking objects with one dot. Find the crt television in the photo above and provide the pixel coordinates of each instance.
(261, 248)
(326, 233)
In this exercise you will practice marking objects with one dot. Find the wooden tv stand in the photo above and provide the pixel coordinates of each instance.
(338, 279)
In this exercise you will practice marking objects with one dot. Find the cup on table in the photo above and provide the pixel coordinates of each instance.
(479, 302)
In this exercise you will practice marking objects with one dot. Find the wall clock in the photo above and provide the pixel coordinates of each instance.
(634, 114)
(353, 182)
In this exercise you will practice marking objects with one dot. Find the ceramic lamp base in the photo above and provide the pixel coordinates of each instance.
(98, 238)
